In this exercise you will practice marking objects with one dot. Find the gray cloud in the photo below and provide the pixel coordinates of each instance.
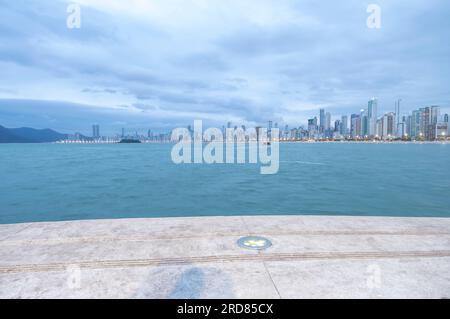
(245, 62)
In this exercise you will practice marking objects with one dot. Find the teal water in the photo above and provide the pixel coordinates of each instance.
(50, 182)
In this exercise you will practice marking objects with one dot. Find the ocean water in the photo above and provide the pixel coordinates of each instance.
(54, 182)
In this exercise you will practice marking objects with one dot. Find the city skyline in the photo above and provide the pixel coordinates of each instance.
(325, 121)
(170, 62)
(427, 123)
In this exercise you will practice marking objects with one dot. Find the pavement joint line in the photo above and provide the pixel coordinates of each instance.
(271, 279)
(46, 241)
(264, 264)
(263, 257)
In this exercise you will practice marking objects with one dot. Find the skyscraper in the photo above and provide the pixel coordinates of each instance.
(388, 125)
(327, 121)
(436, 127)
(344, 125)
(355, 125)
(95, 131)
(328, 129)
(425, 123)
(446, 118)
(372, 113)
(379, 128)
(322, 121)
(435, 113)
(415, 124)
(398, 129)
(364, 123)
(408, 125)
(312, 127)
(337, 126)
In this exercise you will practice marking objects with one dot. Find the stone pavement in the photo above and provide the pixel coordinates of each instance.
(311, 257)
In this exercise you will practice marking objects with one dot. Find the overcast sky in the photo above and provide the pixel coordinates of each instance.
(163, 63)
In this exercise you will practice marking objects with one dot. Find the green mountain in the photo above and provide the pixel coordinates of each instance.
(29, 135)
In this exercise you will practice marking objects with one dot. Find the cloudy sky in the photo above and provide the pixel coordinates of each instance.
(160, 64)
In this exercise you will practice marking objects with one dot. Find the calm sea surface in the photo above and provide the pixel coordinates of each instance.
(50, 182)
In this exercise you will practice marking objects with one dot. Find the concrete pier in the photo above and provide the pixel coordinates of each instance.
(311, 257)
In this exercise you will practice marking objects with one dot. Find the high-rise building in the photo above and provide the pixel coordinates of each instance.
(344, 125)
(353, 125)
(337, 126)
(312, 127)
(322, 121)
(415, 124)
(397, 127)
(372, 114)
(426, 123)
(364, 123)
(379, 128)
(435, 113)
(123, 132)
(408, 125)
(95, 131)
(446, 118)
(402, 127)
(328, 128)
(389, 125)
(327, 121)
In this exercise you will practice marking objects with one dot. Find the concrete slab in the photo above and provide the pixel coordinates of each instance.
(368, 279)
(311, 257)
(157, 282)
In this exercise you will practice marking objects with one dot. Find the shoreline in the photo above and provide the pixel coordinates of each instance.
(193, 217)
(238, 143)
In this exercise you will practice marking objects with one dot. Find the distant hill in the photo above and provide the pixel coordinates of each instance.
(29, 135)
(6, 136)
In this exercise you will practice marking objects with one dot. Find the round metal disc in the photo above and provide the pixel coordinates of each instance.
(254, 242)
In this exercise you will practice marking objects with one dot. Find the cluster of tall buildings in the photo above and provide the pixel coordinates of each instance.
(423, 124)
(96, 137)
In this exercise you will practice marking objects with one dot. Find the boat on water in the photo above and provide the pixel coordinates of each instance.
(129, 141)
